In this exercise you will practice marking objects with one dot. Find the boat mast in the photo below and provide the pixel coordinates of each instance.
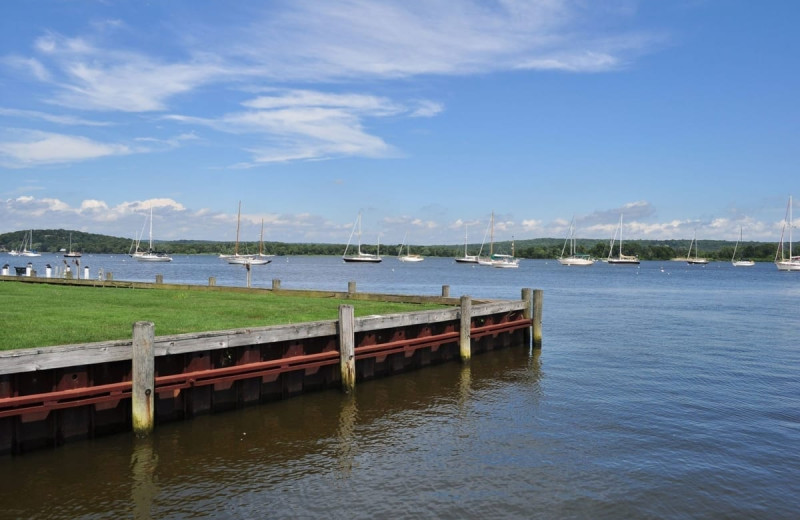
(261, 239)
(620, 236)
(238, 220)
(790, 228)
(359, 233)
(491, 237)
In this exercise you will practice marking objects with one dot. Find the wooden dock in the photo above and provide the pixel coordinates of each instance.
(53, 395)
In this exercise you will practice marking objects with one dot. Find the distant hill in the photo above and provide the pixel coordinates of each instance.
(53, 240)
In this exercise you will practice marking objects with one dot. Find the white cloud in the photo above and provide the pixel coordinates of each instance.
(34, 148)
(359, 38)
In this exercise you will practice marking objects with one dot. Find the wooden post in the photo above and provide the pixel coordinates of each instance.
(351, 287)
(537, 318)
(465, 336)
(347, 356)
(445, 291)
(527, 297)
(249, 275)
(109, 275)
(143, 389)
(159, 278)
(276, 284)
(212, 281)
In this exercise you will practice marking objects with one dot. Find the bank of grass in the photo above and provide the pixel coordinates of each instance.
(38, 315)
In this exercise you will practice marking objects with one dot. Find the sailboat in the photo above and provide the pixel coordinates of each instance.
(696, 260)
(740, 263)
(466, 259)
(620, 259)
(28, 241)
(792, 263)
(497, 259)
(408, 257)
(359, 256)
(71, 253)
(236, 258)
(573, 258)
(151, 255)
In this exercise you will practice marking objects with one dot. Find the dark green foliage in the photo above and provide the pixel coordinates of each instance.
(52, 240)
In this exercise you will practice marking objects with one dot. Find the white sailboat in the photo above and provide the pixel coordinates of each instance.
(742, 262)
(466, 259)
(236, 258)
(71, 253)
(152, 255)
(408, 257)
(28, 242)
(359, 256)
(782, 262)
(573, 258)
(696, 260)
(620, 259)
(502, 261)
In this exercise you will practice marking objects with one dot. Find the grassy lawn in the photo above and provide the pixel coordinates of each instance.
(38, 315)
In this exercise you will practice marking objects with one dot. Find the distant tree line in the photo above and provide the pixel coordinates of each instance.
(53, 240)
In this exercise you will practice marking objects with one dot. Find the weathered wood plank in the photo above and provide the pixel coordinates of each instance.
(30, 360)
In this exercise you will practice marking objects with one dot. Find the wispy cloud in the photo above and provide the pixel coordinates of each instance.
(52, 118)
(31, 148)
(98, 78)
(322, 44)
(306, 40)
(305, 124)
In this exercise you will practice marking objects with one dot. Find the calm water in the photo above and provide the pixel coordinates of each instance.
(663, 391)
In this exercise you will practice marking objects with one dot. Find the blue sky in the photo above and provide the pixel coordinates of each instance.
(425, 116)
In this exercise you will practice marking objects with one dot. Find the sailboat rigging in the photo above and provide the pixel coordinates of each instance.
(152, 255)
(696, 260)
(71, 253)
(620, 259)
(466, 259)
(792, 262)
(573, 258)
(359, 256)
(408, 257)
(742, 262)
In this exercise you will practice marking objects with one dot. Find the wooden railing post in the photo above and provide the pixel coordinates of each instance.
(347, 356)
(445, 291)
(537, 318)
(212, 281)
(465, 336)
(351, 287)
(143, 389)
(159, 279)
(276, 284)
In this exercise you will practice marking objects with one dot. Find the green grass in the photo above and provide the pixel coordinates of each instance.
(38, 315)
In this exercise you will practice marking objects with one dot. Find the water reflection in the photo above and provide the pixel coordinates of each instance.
(144, 487)
(346, 444)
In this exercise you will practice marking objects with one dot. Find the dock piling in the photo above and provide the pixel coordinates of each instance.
(465, 336)
(538, 295)
(347, 357)
(445, 291)
(351, 287)
(527, 313)
(142, 391)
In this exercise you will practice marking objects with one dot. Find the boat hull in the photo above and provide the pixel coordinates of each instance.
(623, 261)
(788, 265)
(743, 263)
(364, 259)
(570, 261)
(153, 258)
